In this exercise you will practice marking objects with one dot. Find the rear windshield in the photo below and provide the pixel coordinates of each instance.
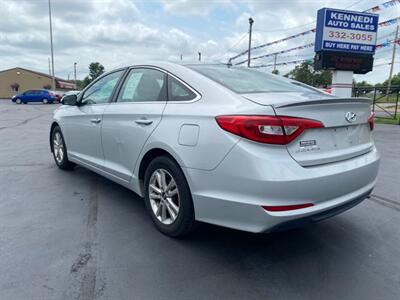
(244, 80)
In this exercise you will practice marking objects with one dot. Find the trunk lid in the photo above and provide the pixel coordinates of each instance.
(346, 131)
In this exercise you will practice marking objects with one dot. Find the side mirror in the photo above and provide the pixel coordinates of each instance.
(69, 100)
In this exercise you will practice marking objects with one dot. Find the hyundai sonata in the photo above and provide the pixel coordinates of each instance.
(229, 146)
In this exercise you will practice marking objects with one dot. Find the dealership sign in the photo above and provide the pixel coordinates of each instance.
(346, 31)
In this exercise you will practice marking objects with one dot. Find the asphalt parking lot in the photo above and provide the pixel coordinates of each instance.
(76, 235)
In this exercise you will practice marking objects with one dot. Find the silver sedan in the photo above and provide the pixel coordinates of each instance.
(228, 146)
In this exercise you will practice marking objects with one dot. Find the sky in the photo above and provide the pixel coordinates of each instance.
(124, 32)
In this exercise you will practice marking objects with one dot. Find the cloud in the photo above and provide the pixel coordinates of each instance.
(190, 8)
(122, 32)
(107, 31)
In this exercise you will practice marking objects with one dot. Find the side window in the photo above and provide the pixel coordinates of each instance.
(178, 91)
(144, 85)
(101, 90)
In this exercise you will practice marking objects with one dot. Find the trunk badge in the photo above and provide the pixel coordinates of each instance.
(350, 116)
(307, 146)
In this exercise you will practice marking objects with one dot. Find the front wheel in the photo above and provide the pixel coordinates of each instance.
(45, 101)
(18, 101)
(168, 197)
(60, 150)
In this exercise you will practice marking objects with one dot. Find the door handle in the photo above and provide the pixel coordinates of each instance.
(143, 122)
(95, 121)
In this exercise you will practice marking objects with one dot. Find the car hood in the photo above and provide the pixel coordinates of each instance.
(283, 98)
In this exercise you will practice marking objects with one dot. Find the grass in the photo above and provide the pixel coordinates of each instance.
(383, 99)
(392, 98)
(391, 121)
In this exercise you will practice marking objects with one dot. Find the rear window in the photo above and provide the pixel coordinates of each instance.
(178, 92)
(244, 80)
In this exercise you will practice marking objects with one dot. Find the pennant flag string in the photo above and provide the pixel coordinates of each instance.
(382, 24)
(379, 46)
(279, 52)
(384, 5)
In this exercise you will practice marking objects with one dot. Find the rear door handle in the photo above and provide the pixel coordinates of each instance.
(144, 122)
(95, 121)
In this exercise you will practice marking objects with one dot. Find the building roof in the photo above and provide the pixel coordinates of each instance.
(36, 72)
(61, 83)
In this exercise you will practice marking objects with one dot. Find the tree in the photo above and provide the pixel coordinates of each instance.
(302, 73)
(95, 70)
(79, 84)
(86, 81)
(362, 84)
(395, 80)
(305, 73)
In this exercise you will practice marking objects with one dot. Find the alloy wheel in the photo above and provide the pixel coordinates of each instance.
(58, 147)
(164, 196)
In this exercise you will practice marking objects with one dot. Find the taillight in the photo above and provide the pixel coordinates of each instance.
(280, 130)
(287, 207)
(371, 121)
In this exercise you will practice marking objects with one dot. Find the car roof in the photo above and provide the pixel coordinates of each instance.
(42, 90)
(169, 65)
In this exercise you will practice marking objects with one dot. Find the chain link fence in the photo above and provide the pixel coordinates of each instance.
(385, 104)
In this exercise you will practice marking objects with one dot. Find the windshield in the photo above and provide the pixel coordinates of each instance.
(244, 80)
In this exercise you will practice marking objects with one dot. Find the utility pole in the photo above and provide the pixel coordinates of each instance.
(52, 52)
(391, 66)
(49, 66)
(275, 61)
(199, 56)
(75, 73)
(251, 21)
(181, 57)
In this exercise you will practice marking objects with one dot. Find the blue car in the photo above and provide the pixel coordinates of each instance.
(43, 96)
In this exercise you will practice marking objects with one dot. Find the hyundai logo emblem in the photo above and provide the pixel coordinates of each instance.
(350, 117)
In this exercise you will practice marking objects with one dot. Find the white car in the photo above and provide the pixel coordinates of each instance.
(228, 146)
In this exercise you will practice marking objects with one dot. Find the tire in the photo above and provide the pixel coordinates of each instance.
(45, 101)
(18, 101)
(184, 221)
(59, 150)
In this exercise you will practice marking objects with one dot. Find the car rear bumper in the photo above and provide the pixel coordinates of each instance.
(232, 195)
(331, 212)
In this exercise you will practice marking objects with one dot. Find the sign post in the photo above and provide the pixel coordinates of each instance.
(342, 83)
(345, 43)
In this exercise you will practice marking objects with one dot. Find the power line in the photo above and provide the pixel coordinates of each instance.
(285, 29)
(232, 47)
(379, 46)
(299, 26)
(238, 42)
(384, 5)
(306, 47)
(384, 23)
(355, 3)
